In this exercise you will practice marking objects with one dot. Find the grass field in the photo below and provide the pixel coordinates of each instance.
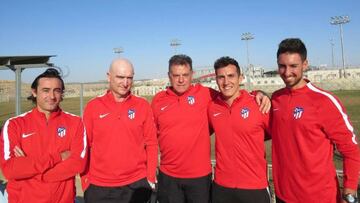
(350, 99)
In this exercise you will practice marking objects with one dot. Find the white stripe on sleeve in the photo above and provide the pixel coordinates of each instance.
(6, 140)
(82, 155)
(6, 136)
(338, 106)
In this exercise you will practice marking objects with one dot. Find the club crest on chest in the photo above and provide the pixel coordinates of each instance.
(298, 112)
(245, 112)
(61, 131)
(131, 114)
(191, 100)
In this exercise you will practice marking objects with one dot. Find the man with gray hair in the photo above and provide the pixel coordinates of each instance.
(184, 136)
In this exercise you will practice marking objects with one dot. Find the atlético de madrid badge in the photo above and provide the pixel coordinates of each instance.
(298, 111)
(131, 114)
(245, 112)
(191, 100)
(61, 131)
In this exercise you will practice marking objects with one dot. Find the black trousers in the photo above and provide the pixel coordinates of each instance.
(137, 192)
(183, 190)
(222, 194)
(278, 200)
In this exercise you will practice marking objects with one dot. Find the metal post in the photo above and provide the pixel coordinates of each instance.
(342, 50)
(340, 20)
(247, 36)
(18, 71)
(247, 53)
(81, 98)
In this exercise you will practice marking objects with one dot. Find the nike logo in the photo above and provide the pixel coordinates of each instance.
(275, 109)
(27, 135)
(164, 107)
(216, 114)
(103, 115)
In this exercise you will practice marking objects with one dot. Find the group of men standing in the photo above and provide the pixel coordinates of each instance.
(115, 147)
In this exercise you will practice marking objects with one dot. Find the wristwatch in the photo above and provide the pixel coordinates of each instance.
(350, 198)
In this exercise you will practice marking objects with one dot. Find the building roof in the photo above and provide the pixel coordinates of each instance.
(24, 61)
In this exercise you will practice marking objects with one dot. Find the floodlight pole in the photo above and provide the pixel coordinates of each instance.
(340, 20)
(175, 43)
(247, 36)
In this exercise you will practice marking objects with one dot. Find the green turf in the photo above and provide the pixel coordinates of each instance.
(351, 101)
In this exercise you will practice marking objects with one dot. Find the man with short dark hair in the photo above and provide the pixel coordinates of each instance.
(307, 124)
(42, 150)
(240, 171)
(122, 141)
(184, 136)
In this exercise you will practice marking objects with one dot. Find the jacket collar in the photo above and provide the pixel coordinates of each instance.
(192, 88)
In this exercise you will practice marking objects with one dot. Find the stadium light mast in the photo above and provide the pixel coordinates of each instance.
(174, 44)
(247, 36)
(118, 51)
(340, 20)
(332, 53)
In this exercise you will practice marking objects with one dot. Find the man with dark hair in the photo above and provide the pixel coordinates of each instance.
(184, 136)
(42, 150)
(293, 45)
(224, 62)
(307, 122)
(240, 171)
(49, 73)
(122, 141)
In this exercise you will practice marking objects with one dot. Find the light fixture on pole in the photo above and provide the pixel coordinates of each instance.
(247, 36)
(340, 20)
(118, 50)
(174, 44)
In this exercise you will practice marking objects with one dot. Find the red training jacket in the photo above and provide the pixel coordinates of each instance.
(41, 176)
(306, 124)
(239, 145)
(183, 131)
(122, 141)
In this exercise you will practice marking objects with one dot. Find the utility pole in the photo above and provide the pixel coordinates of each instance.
(247, 36)
(340, 20)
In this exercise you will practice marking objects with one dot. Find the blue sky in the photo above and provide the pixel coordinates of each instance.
(83, 33)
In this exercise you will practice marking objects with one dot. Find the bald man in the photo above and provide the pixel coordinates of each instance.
(122, 141)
